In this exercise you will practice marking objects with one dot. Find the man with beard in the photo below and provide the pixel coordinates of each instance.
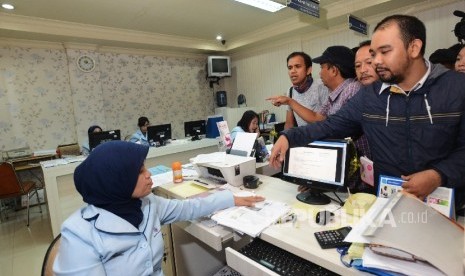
(305, 95)
(413, 119)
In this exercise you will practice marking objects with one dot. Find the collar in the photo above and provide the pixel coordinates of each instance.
(396, 89)
(336, 92)
(108, 222)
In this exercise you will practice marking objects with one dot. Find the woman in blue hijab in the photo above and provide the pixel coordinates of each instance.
(85, 148)
(119, 231)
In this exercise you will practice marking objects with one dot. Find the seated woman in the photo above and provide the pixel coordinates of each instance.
(118, 232)
(85, 148)
(140, 136)
(248, 123)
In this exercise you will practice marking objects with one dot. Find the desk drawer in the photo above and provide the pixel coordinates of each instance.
(212, 236)
(244, 265)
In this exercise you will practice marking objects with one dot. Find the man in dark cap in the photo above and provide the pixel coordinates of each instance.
(338, 74)
(446, 57)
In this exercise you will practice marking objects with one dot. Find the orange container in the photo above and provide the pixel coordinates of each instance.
(177, 172)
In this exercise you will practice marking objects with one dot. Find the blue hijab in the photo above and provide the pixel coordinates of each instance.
(108, 176)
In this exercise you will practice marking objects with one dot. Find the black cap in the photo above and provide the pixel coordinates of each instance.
(443, 56)
(340, 56)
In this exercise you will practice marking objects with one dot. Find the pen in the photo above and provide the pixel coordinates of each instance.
(202, 182)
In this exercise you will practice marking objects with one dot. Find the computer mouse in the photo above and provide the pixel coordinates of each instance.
(323, 217)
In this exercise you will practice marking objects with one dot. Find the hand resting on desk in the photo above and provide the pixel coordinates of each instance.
(247, 201)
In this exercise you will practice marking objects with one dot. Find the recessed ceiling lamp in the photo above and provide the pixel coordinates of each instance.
(266, 5)
(219, 37)
(7, 6)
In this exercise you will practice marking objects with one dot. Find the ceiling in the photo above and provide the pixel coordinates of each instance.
(178, 25)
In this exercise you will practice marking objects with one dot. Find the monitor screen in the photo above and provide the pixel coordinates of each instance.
(195, 129)
(158, 135)
(321, 166)
(97, 138)
(219, 66)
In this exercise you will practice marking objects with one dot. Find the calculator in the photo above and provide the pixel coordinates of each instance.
(333, 238)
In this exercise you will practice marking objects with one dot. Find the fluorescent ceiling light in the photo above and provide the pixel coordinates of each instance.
(266, 5)
(7, 6)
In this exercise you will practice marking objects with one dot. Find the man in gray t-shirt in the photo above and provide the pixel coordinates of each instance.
(305, 94)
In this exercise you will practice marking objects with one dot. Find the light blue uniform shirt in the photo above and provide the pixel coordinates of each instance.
(234, 132)
(139, 138)
(97, 242)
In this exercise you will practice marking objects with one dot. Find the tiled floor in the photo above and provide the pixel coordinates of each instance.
(22, 249)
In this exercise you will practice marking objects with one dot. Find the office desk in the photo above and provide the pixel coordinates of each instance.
(63, 199)
(193, 257)
(30, 164)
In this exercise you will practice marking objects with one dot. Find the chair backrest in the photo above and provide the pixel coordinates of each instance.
(49, 259)
(9, 182)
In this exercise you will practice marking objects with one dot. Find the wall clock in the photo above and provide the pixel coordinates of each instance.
(85, 63)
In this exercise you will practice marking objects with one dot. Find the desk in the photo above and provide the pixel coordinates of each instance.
(192, 256)
(63, 199)
(30, 163)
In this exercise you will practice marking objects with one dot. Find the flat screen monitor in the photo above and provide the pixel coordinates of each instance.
(321, 166)
(219, 66)
(97, 138)
(158, 135)
(195, 129)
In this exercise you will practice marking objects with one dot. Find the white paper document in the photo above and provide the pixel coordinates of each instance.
(252, 220)
(313, 163)
(244, 141)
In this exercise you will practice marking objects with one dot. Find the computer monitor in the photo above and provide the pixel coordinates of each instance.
(158, 135)
(321, 166)
(195, 129)
(97, 138)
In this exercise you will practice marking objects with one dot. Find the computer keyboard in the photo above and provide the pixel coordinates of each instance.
(280, 261)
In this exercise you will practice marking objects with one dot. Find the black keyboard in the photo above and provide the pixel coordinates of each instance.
(280, 261)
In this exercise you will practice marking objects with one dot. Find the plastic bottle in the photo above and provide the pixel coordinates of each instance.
(177, 172)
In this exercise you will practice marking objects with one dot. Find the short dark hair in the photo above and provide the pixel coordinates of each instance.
(364, 43)
(410, 28)
(247, 117)
(142, 121)
(305, 56)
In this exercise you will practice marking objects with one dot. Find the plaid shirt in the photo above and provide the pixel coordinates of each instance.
(336, 100)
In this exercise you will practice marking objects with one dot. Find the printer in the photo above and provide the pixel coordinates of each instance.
(231, 170)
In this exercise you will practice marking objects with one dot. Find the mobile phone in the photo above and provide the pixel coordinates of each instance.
(333, 238)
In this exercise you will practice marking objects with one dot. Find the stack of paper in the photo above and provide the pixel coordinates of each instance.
(252, 220)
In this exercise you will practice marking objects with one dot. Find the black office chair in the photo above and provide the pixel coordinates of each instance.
(49, 259)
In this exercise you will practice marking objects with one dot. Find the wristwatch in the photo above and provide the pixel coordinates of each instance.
(85, 63)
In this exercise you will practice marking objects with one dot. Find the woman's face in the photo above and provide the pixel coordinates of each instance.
(460, 61)
(144, 127)
(253, 126)
(143, 185)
